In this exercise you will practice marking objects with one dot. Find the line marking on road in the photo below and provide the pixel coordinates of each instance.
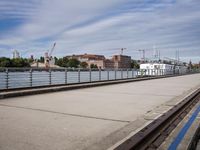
(68, 114)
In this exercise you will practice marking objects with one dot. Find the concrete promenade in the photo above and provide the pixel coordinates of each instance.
(90, 118)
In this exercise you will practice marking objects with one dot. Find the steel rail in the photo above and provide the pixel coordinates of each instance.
(154, 134)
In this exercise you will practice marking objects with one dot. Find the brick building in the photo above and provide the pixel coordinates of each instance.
(121, 61)
(117, 61)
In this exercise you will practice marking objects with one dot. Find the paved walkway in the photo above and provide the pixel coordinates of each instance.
(85, 118)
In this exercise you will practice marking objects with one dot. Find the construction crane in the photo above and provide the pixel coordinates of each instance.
(121, 50)
(143, 54)
(48, 59)
(52, 49)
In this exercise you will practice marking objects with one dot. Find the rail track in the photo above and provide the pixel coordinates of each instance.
(154, 134)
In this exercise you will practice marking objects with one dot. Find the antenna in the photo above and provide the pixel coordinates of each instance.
(159, 54)
(154, 51)
(177, 56)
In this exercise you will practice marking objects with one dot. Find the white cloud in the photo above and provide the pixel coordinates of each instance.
(95, 26)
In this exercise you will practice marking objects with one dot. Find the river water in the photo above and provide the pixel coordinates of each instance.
(39, 78)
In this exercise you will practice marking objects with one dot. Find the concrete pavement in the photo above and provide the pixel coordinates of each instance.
(90, 118)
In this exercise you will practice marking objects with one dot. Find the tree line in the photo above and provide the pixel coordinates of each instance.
(62, 62)
(15, 62)
(71, 63)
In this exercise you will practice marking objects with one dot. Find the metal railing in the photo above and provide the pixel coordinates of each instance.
(11, 78)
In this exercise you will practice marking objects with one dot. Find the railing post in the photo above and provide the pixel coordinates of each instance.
(79, 76)
(107, 74)
(115, 74)
(65, 75)
(7, 78)
(49, 76)
(31, 77)
(99, 74)
(121, 74)
(137, 72)
(132, 73)
(90, 75)
(127, 73)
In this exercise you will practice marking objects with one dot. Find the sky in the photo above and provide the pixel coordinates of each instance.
(101, 27)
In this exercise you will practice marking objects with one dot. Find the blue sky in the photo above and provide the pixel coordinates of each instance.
(101, 27)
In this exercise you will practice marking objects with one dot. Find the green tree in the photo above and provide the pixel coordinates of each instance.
(65, 61)
(41, 59)
(83, 65)
(5, 62)
(16, 62)
(134, 64)
(93, 66)
(59, 62)
(73, 63)
(20, 62)
(56, 59)
(62, 62)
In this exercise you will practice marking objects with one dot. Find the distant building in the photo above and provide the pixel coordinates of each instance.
(90, 59)
(162, 68)
(109, 63)
(42, 65)
(16, 54)
(121, 61)
(86, 57)
(117, 61)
